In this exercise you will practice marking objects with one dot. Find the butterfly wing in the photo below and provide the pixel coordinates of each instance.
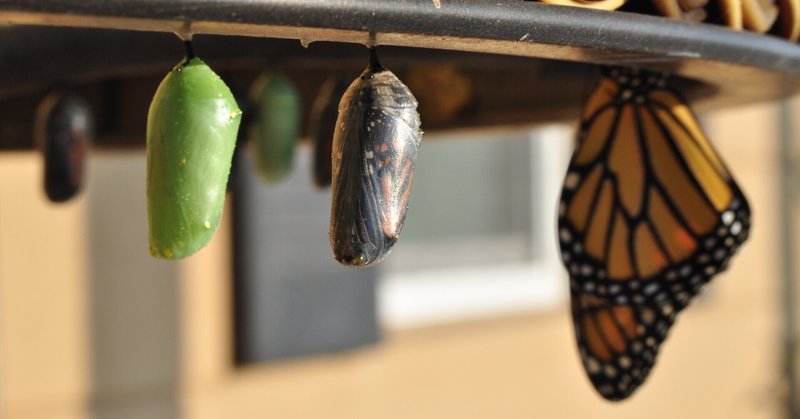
(649, 212)
(618, 343)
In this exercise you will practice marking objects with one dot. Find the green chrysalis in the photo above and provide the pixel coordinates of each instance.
(277, 125)
(191, 133)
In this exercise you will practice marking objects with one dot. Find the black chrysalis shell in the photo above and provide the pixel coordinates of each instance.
(374, 147)
(64, 131)
(323, 119)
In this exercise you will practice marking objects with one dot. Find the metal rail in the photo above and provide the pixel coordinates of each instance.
(743, 67)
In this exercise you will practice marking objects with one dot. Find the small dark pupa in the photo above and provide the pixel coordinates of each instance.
(64, 131)
(374, 148)
(324, 114)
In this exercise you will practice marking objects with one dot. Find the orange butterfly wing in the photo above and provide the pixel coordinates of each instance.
(649, 213)
(648, 210)
(618, 344)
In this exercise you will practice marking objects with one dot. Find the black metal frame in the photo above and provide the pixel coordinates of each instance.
(744, 67)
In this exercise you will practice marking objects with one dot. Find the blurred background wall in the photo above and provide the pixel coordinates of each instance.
(472, 306)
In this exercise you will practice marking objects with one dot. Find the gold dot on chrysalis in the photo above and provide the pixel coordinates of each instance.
(182, 163)
(207, 225)
(168, 253)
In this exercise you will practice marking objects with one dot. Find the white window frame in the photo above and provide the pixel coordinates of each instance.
(458, 293)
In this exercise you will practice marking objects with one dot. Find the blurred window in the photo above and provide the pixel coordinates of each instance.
(479, 237)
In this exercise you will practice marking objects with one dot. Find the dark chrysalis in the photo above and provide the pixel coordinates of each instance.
(277, 125)
(324, 114)
(191, 132)
(374, 147)
(64, 131)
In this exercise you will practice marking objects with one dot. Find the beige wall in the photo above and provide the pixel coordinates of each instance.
(44, 321)
(721, 360)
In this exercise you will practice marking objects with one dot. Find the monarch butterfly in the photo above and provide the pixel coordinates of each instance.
(191, 133)
(649, 213)
(374, 147)
(277, 125)
(323, 118)
(64, 131)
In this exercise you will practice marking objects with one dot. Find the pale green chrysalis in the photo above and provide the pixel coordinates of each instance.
(191, 133)
(277, 125)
